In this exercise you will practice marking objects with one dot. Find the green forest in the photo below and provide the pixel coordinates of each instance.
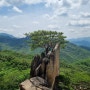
(15, 65)
(15, 68)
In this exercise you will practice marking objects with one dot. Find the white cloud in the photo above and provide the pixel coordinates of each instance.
(18, 2)
(66, 3)
(62, 7)
(61, 12)
(53, 27)
(16, 26)
(72, 30)
(32, 1)
(51, 3)
(56, 3)
(85, 14)
(53, 17)
(4, 3)
(35, 22)
(85, 1)
(17, 9)
(14, 2)
(20, 35)
(81, 15)
(6, 30)
(79, 23)
(74, 3)
(46, 16)
(74, 16)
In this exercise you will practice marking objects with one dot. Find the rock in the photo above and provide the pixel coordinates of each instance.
(35, 63)
(44, 70)
(35, 83)
(52, 70)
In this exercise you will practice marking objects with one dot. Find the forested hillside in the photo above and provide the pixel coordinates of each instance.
(70, 53)
(8, 42)
(73, 52)
(15, 68)
(83, 42)
(16, 56)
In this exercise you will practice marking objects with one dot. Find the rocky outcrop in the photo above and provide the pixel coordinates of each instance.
(35, 83)
(53, 67)
(44, 70)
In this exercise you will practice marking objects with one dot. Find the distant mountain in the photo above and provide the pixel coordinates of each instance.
(83, 42)
(6, 35)
(9, 42)
(71, 53)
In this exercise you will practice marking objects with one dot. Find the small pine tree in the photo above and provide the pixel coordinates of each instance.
(46, 39)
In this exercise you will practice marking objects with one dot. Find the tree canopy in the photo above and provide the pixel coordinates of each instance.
(41, 38)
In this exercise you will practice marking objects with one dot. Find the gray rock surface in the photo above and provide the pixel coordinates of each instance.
(35, 83)
(43, 71)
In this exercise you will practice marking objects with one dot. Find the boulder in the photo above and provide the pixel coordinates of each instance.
(35, 83)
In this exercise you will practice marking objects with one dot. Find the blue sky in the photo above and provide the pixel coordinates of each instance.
(22, 16)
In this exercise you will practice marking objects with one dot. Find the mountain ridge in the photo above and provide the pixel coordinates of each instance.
(71, 52)
(6, 35)
(83, 42)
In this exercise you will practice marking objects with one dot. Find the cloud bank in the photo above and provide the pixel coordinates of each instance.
(69, 16)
